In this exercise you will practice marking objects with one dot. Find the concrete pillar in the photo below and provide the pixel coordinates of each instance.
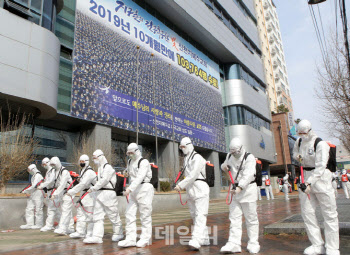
(213, 157)
(168, 160)
(101, 138)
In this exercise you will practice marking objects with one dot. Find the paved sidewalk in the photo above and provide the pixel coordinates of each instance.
(294, 224)
(171, 223)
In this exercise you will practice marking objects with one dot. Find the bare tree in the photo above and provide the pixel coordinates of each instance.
(84, 145)
(17, 147)
(334, 92)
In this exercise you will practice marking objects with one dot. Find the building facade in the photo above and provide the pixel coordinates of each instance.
(111, 71)
(343, 158)
(273, 55)
(284, 143)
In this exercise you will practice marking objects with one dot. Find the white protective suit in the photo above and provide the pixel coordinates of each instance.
(197, 193)
(62, 181)
(345, 183)
(87, 178)
(335, 184)
(141, 197)
(105, 201)
(286, 186)
(268, 188)
(244, 199)
(259, 191)
(320, 190)
(35, 202)
(47, 185)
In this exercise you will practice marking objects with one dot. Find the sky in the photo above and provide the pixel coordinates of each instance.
(302, 53)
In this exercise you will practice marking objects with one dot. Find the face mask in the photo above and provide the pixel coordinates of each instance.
(131, 156)
(82, 164)
(96, 161)
(236, 154)
(185, 150)
(304, 136)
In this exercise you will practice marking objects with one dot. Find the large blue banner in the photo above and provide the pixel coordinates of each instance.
(121, 49)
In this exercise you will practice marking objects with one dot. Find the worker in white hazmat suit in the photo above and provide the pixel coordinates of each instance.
(35, 202)
(286, 186)
(47, 186)
(243, 169)
(318, 185)
(345, 183)
(140, 193)
(268, 188)
(105, 201)
(335, 183)
(87, 178)
(259, 191)
(63, 180)
(197, 191)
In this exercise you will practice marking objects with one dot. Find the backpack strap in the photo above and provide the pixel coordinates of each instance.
(88, 168)
(194, 154)
(318, 139)
(299, 143)
(240, 167)
(109, 181)
(61, 171)
(138, 164)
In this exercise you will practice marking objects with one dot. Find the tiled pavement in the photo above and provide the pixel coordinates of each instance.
(34, 242)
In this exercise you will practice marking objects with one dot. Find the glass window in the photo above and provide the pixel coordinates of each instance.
(68, 11)
(248, 118)
(47, 21)
(226, 117)
(36, 5)
(227, 20)
(65, 85)
(22, 2)
(217, 11)
(65, 32)
(240, 115)
(209, 4)
(233, 115)
(255, 121)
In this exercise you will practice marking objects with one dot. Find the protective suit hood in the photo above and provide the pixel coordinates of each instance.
(186, 145)
(46, 163)
(55, 163)
(86, 160)
(133, 151)
(344, 171)
(236, 147)
(99, 158)
(32, 169)
(304, 130)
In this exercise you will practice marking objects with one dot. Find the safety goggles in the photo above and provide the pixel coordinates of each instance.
(130, 153)
(304, 133)
(234, 151)
(96, 157)
(183, 146)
